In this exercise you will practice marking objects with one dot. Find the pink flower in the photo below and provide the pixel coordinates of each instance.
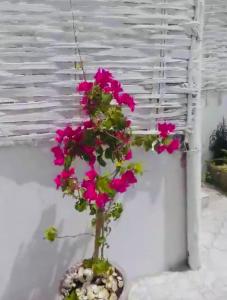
(160, 148)
(126, 99)
(122, 137)
(78, 134)
(59, 135)
(89, 151)
(57, 181)
(165, 129)
(90, 193)
(171, 127)
(102, 77)
(88, 124)
(173, 146)
(66, 174)
(128, 156)
(84, 86)
(121, 184)
(128, 123)
(59, 156)
(102, 199)
(129, 177)
(118, 185)
(91, 174)
(115, 87)
(84, 101)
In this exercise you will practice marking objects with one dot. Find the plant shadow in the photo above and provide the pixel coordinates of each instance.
(39, 266)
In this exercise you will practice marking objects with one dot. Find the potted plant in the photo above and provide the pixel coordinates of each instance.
(217, 167)
(104, 139)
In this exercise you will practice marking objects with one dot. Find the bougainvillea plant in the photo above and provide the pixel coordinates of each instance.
(104, 139)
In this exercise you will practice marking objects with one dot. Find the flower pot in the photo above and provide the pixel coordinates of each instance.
(88, 286)
(218, 175)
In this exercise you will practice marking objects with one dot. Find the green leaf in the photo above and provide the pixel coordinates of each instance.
(100, 267)
(72, 296)
(87, 263)
(116, 211)
(106, 98)
(92, 209)
(50, 233)
(109, 153)
(167, 141)
(138, 168)
(138, 141)
(117, 117)
(89, 138)
(148, 142)
(93, 222)
(81, 205)
(100, 151)
(68, 161)
(104, 187)
(101, 240)
(101, 161)
(107, 124)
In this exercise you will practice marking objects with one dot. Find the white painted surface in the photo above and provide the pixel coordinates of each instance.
(151, 236)
(214, 109)
(193, 173)
(208, 283)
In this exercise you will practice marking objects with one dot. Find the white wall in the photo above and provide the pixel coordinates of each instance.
(150, 237)
(214, 109)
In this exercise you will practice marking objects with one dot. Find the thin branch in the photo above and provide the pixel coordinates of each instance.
(76, 40)
(74, 236)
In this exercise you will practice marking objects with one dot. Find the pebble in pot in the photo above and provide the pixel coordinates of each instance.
(113, 296)
(85, 275)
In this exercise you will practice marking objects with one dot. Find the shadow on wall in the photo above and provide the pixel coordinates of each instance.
(32, 272)
(32, 268)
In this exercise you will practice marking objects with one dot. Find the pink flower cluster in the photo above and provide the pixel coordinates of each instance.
(104, 79)
(165, 129)
(124, 182)
(73, 135)
(63, 177)
(86, 142)
(90, 192)
(170, 148)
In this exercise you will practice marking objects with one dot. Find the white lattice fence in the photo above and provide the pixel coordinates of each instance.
(148, 44)
(215, 45)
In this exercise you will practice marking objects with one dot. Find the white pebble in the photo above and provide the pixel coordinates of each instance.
(81, 274)
(113, 296)
(103, 294)
(88, 275)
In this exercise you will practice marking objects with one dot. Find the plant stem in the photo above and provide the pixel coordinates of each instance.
(100, 220)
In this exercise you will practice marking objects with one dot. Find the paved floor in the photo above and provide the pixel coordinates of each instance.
(210, 282)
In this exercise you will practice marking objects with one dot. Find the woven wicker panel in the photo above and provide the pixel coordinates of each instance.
(145, 43)
(215, 45)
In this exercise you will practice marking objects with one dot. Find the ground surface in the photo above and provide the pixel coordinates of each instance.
(210, 282)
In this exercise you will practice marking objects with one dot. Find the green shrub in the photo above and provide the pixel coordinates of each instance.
(218, 142)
